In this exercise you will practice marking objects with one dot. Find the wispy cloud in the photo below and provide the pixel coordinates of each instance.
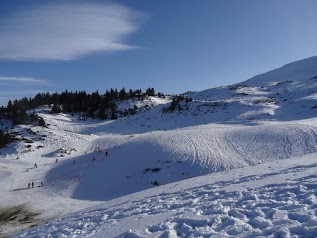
(66, 31)
(12, 88)
(18, 93)
(24, 80)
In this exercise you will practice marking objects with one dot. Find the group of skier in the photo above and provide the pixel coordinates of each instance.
(31, 184)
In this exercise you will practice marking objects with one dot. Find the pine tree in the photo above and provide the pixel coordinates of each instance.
(5, 139)
(150, 92)
(56, 108)
(113, 109)
(101, 112)
(122, 94)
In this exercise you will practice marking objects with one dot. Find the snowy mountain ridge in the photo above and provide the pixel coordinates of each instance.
(267, 122)
(298, 71)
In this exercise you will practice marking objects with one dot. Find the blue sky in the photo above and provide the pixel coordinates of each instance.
(173, 46)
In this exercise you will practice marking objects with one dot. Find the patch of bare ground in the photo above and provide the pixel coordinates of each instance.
(16, 218)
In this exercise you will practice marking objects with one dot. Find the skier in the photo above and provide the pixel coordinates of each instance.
(35, 165)
(29, 184)
(56, 160)
(106, 153)
(42, 184)
(32, 184)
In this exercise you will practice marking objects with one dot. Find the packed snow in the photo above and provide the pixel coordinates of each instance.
(235, 161)
(235, 204)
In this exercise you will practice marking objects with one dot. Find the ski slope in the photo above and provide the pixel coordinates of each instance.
(138, 161)
(235, 161)
(275, 199)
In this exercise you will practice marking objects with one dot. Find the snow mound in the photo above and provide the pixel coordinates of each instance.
(143, 161)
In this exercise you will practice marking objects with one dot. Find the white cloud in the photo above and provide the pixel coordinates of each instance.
(12, 88)
(66, 31)
(24, 80)
(17, 93)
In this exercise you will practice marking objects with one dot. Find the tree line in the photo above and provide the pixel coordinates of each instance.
(102, 106)
(5, 138)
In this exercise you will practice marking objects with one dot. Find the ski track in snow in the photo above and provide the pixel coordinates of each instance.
(277, 210)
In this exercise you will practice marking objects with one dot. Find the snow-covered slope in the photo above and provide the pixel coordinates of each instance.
(276, 199)
(298, 71)
(288, 93)
(267, 122)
